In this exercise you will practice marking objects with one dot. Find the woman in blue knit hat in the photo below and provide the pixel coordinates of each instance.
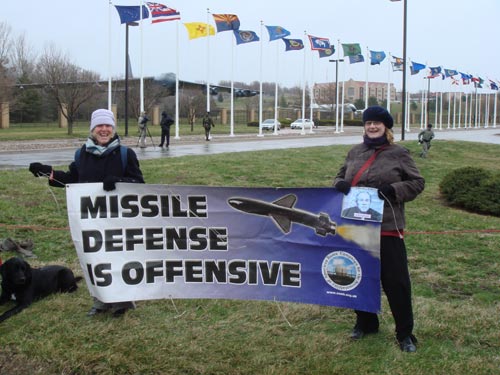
(389, 168)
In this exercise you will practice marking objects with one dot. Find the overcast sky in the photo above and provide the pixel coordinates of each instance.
(453, 34)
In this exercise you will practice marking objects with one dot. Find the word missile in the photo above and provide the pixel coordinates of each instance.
(283, 213)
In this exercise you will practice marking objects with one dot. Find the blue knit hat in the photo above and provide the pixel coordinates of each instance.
(377, 113)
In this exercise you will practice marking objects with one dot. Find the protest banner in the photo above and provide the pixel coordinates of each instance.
(142, 242)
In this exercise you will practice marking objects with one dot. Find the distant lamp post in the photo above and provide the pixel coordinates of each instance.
(403, 98)
(127, 69)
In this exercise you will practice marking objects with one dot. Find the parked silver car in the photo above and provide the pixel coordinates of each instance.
(269, 124)
(298, 124)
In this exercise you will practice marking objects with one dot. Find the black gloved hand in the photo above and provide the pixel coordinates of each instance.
(387, 192)
(343, 186)
(40, 170)
(109, 183)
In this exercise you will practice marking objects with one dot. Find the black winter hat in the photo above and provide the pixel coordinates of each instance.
(377, 113)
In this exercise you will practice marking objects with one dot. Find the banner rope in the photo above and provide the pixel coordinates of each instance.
(443, 232)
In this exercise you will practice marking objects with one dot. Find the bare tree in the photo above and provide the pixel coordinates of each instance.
(68, 84)
(6, 79)
(23, 60)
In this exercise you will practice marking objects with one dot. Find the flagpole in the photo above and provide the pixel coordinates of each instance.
(142, 76)
(423, 102)
(449, 110)
(388, 104)
(109, 55)
(459, 109)
(276, 88)
(466, 107)
(337, 89)
(454, 109)
(366, 79)
(177, 80)
(405, 12)
(495, 110)
(304, 90)
(208, 61)
(311, 97)
(343, 104)
(260, 83)
(232, 88)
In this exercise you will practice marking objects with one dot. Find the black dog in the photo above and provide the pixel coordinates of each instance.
(28, 284)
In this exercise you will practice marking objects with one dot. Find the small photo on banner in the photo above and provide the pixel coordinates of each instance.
(362, 204)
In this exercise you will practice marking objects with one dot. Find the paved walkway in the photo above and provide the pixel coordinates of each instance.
(54, 152)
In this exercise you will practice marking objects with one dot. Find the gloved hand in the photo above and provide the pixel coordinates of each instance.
(387, 192)
(419, 141)
(109, 183)
(343, 186)
(40, 170)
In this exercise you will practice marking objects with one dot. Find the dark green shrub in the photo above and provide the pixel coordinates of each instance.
(473, 189)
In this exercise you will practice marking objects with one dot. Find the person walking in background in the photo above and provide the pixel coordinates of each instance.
(101, 159)
(424, 138)
(207, 124)
(143, 129)
(380, 163)
(165, 123)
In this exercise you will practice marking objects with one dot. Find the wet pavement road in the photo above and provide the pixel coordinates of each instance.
(225, 143)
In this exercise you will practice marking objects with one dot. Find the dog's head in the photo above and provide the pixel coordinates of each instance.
(15, 272)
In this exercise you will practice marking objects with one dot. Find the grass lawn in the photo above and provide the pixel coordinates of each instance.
(453, 260)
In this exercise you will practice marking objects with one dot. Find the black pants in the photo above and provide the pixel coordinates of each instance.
(397, 287)
(165, 136)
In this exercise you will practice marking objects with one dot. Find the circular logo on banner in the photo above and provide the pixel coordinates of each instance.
(341, 270)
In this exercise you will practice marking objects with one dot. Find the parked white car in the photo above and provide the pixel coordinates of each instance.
(269, 124)
(299, 123)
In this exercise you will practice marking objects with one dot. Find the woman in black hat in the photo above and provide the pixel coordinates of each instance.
(389, 168)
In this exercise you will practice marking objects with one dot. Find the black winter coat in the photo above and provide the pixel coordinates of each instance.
(94, 168)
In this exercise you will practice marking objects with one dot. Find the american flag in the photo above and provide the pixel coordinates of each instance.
(162, 13)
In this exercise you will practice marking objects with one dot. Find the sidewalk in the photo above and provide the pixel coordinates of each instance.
(132, 141)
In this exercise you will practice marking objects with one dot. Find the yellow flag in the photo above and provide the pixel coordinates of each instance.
(199, 29)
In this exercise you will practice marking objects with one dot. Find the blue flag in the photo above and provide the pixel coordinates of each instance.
(376, 57)
(293, 44)
(131, 13)
(277, 32)
(319, 43)
(434, 72)
(326, 52)
(245, 36)
(416, 67)
(450, 72)
(356, 59)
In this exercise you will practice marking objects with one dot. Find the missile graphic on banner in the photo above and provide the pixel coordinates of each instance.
(283, 213)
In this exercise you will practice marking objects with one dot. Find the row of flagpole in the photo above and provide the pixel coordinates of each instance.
(353, 51)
